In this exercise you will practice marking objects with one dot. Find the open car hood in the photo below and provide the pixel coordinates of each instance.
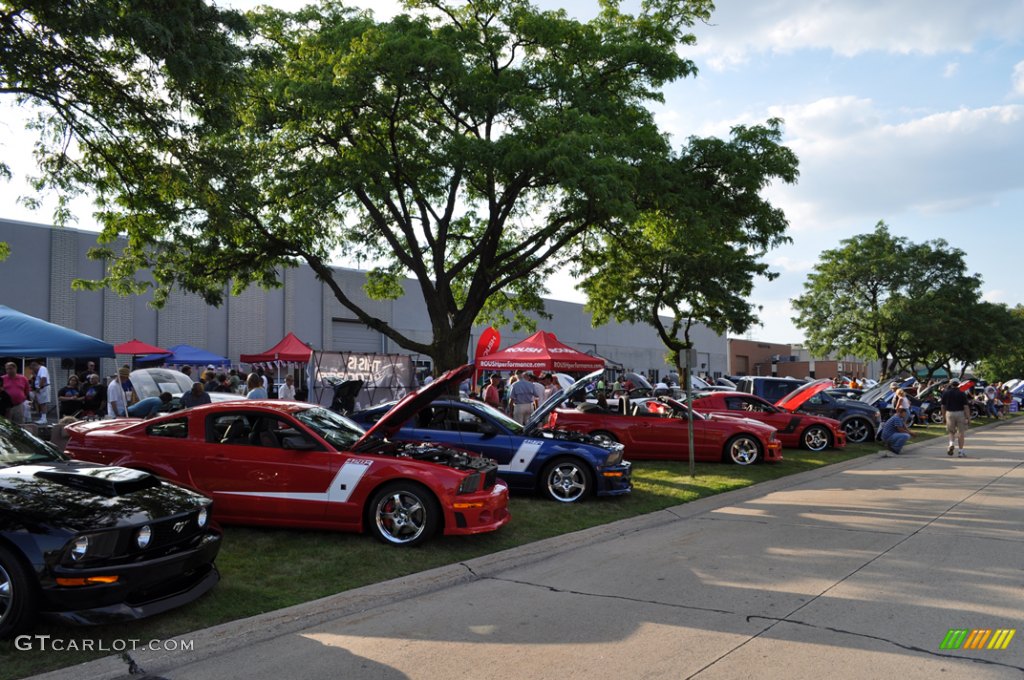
(575, 390)
(412, 403)
(796, 398)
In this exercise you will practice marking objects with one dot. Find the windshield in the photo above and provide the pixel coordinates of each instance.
(18, 447)
(151, 382)
(339, 431)
(494, 413)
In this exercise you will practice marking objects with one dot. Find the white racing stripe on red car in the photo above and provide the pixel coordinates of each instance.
(339, 490)
(523, 456)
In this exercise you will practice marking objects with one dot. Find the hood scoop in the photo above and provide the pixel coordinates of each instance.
(105, 481)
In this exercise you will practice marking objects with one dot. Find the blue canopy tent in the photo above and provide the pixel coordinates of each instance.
(186, 354)
(22, 335)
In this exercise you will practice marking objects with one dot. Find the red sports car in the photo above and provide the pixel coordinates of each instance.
(815, 433)
(656, 428)
(294, 464)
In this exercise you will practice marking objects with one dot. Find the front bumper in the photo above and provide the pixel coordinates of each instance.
(773, 452)
(142, 589)
(838, 438)
(614, 480)
(477, 513)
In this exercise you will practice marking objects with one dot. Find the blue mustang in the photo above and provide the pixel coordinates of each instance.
(565, 466)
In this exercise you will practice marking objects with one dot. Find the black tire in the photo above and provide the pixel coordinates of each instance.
(816, 438)
(858, 431)
(566, 480)
(19, 599)
(743, 449)
(403, 513)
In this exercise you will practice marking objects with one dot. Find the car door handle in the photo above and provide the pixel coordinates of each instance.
(219, 458)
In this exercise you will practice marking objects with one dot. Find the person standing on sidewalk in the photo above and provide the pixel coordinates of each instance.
(956, 410)
(895, 433)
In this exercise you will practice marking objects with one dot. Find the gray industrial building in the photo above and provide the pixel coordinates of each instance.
(36, 279)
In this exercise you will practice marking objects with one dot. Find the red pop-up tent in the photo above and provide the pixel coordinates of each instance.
(289, 349)
(540, 351)
(134, 346)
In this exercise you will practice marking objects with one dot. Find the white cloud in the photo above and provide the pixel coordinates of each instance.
(995, 296)
(791, 265)
(952, 68)
(1018, 79)
(740, 29)
(854, 166)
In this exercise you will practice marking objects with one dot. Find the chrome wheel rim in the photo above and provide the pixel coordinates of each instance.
(401, 517)
(567, 482)
(857, 431)
(743, 451)
(5, 593)
(816, 439)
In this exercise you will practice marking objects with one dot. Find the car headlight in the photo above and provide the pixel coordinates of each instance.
(143, 536)
(79, 548)
(202, 517)
(470, 484)
(615, 457)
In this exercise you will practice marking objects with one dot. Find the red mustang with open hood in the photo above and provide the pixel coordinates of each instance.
(287, 463)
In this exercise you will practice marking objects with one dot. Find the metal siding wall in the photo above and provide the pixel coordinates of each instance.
(246, 321)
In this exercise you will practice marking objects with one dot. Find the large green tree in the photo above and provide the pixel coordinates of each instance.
(465, 144)
(697, 249)
(110, 80)
(882, 297)
(1001, 357)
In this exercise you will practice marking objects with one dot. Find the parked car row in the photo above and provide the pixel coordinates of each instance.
(123, 528)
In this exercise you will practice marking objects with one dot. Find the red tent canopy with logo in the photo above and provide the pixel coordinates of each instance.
(542, 351)
(289, 349)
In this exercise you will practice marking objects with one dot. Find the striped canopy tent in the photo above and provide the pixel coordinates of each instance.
(542, 351)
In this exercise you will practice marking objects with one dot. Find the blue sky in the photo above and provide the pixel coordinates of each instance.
(907, 111)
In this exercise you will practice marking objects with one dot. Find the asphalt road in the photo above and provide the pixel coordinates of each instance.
(858, 570)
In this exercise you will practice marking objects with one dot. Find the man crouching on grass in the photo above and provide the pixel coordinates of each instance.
(894, 433)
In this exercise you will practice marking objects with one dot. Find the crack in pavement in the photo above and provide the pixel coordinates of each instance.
(863, 566)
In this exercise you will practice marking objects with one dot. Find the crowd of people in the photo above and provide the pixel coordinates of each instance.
(27, 397)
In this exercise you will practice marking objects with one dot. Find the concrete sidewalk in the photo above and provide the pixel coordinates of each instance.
(857, 570)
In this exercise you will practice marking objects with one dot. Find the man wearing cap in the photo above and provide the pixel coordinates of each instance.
(117, 397)
(956, 410)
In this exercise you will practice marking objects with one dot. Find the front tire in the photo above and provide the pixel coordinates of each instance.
(815, 438)
(935, 417)
(858, 431)
(403, 513)
(566, 480)
(743, 450)
(19, 600)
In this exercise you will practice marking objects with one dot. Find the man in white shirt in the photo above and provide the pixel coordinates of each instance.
(117, 399)
(41, 389)
(287, 391)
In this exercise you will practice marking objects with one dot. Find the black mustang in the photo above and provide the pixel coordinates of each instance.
(90, 544)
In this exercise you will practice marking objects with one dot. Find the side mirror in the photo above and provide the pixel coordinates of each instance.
(294, 442)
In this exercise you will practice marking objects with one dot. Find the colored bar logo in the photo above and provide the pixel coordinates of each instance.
(978, 638)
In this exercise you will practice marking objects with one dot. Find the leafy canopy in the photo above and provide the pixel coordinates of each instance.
(464, 144)
(108, 79)
(695, 250)
(880, 296)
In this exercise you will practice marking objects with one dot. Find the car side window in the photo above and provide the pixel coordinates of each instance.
(228, 428)
(177, 429)
(469, 422)
(735, 403)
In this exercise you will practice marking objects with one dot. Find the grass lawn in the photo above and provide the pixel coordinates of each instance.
(267, 569)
